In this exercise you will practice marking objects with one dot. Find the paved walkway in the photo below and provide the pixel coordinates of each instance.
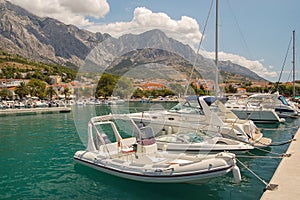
(287, 175)
(34, 110)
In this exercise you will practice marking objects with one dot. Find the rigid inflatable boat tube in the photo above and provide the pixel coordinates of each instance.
(236, 174)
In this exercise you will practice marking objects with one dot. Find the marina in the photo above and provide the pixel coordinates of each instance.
(97, 106)
(38, 151)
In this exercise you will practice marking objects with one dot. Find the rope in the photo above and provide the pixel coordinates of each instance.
(252, 172)
(280, 129)
(254, 156)
(281, 143)
(196, 59)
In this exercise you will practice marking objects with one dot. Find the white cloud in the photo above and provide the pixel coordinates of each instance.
(67, 11)
(186, 30)
(254, 65)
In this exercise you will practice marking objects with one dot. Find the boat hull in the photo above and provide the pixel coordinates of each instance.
(192, 177)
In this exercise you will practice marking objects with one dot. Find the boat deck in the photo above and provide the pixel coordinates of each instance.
(32, 111)
(287, 175)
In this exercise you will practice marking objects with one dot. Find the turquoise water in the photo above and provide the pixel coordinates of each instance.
(37, 163)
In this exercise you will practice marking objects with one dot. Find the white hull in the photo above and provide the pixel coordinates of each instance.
(213, 145)
(137, 157)
(195, 175)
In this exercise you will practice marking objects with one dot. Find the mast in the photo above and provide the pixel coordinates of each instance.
(216, 51)
(294, 63)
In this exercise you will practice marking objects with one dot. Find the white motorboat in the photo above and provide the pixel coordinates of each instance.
(262, 107)
(275, 101)
(137, 158)
(195, 142)
(195, 114)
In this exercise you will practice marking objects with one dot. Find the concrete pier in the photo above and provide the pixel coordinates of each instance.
(32, 111)
(287, 175)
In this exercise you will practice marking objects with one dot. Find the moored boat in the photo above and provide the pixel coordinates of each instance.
(137, 158)
(195, 142)
(195, 114)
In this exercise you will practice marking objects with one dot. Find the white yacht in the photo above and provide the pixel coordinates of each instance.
(194, 114)
(264, 108)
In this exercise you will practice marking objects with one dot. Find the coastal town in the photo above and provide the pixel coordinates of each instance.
(149, 100)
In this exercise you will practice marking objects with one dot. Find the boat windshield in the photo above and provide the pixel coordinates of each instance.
(146, 136)
(283, 100)
(188, 107)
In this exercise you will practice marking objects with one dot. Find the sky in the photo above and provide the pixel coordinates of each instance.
(252, 33)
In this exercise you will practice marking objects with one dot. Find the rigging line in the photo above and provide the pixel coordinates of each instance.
(283, 64)
(252, 172)
(239, 29)
(289, 75)
(197, 53)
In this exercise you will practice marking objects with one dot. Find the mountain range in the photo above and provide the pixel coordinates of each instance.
(49, 40)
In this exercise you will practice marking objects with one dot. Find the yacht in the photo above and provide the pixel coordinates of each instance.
(194, 114)
(263, 108)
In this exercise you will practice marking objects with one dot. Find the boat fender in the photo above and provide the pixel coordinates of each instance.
(164, 148)
(170, 130)
(236, 174)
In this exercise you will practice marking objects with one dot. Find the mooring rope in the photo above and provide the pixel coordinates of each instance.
(252, 172)
(279, 129)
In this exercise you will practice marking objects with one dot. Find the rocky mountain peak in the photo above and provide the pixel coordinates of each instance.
(47, 39)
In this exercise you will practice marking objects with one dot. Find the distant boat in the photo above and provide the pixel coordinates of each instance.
(137, 158)
(262, 107)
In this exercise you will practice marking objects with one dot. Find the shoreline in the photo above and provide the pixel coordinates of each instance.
(33, 111)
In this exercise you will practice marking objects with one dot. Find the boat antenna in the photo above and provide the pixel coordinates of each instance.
(197, 53)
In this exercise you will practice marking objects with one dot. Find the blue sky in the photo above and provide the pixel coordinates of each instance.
(253, 33)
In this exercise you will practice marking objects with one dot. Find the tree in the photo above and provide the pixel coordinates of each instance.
(66, 92)
(6, 94)
(123, 88)
(22, 90)
(138, 93)
(106, 85)
(37, 88)
(51, 92)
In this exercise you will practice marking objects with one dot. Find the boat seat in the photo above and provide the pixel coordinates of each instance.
(127, 142)
(109, 149)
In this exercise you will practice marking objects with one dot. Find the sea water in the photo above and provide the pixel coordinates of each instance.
(37, 163)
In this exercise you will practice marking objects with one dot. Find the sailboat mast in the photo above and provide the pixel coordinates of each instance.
(294, 64)
(217, 50)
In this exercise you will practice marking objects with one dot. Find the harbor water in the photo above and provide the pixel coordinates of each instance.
(37, 162)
